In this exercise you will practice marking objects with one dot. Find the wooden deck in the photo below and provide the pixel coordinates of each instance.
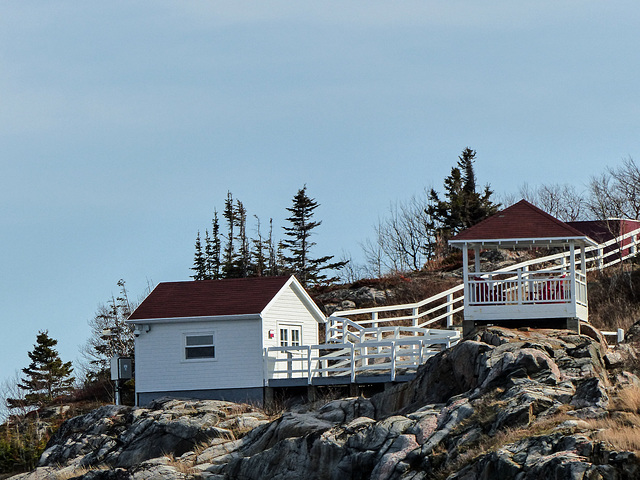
(371, 345)
(394, 354)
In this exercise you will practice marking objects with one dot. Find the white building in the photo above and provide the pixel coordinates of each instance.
(206, 339)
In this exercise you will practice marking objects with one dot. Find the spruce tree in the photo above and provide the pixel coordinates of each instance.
(243, 259)
(229, 213)
(199, 262)
(463, 206)
(110, 335)
(46, 377)
(299, 244)
(213, 249)
(259, 264)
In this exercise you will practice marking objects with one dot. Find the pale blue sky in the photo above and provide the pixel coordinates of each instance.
(123, 124)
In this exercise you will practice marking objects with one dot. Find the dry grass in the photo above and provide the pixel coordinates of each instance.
(619, 433)
(487, 444)
(622, 428)
(614, 298)
(628, 400)
(184, 467)
(72, 473)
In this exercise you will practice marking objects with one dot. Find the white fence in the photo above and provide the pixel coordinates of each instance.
(525, 288)
(392, 357)
(393, 340)
(438, 308)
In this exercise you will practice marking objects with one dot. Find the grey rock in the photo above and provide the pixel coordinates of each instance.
(493, 386)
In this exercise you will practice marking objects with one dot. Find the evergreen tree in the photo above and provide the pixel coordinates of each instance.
(274, 257)
(229, 214)
(110, 335)
(259, 265)
(199, 261)
(243, 259)
(212, 250)
(46, 377)
(463, 206)
(299, 244)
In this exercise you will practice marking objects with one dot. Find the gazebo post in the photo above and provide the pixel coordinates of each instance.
(573, 323)
(496, 301)
(467, 325)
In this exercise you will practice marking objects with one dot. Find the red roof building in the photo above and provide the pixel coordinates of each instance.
(520, 224)
(208, 338)
(209, 298)
(555, 295)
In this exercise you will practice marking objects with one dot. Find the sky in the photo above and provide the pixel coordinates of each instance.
(123, 124)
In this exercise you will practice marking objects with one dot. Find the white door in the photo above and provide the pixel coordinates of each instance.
(290, 335)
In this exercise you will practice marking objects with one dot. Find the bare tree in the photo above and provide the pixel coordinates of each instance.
(110, 335)
(616, 192)
(404, 240)
(352, 271)
(562, 201)
(9, 390)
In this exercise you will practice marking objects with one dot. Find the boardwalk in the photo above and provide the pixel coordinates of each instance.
(387, 344)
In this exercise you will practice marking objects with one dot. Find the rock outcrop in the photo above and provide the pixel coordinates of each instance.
(504, 404)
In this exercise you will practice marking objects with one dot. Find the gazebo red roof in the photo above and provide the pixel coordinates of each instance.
(209, 298)
(520, 222)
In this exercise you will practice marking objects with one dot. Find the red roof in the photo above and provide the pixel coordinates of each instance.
(519, 221)
(209, 298)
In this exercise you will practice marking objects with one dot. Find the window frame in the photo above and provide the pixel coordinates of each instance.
(289, 328)
(204, 333)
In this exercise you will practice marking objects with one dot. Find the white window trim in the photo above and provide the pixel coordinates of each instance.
(299, 326)
(196, 334)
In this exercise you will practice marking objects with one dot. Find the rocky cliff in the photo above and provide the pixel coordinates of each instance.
(504, 404)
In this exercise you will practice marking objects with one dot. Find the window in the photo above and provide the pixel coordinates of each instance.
(290, 335)
(199, 346)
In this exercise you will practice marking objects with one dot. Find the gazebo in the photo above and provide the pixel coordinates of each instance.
(553, 297)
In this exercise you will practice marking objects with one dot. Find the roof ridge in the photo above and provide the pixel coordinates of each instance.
(522, 220)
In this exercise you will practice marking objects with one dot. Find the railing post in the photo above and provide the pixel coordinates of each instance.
(309, 372)
(520, 287)
(573, 276)
(599, 258)
(449, 310)
(265, 367)
(374, 319)
(393, 361)
(414, 312)
(353, 364)
(345, 331)
(620, 335)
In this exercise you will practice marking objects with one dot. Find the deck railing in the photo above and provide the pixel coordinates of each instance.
(394, 339)
(525, 288)
(393, 357)
(443, 306)
(440, 307)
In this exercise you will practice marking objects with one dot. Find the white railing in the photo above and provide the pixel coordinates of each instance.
(393, 357)
(393, 339)
(440, 307)
(443, 306)
(525, 288)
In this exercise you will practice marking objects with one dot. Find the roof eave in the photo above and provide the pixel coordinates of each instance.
(521, 242)
(210, 318)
